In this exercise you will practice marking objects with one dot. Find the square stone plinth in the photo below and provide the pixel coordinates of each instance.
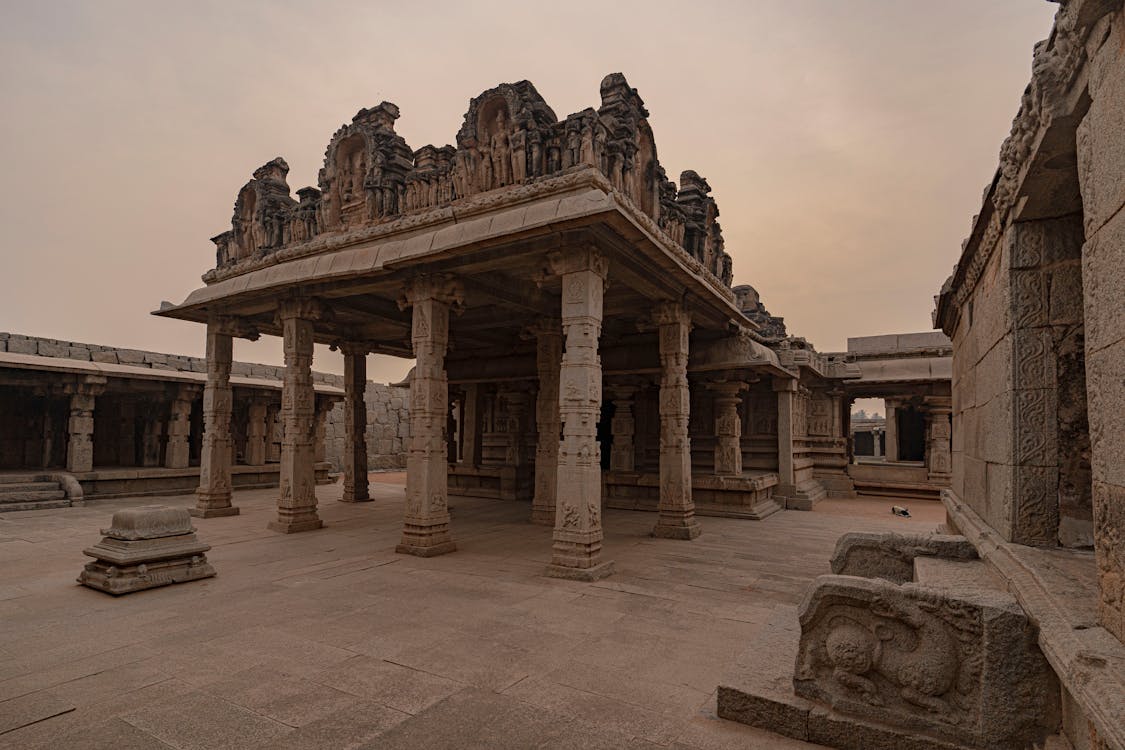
(419, 551)
(230, 510)
(596, 573)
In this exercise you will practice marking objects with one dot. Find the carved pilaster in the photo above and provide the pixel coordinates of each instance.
(548, 360)
(177, 454)
(622, 453)
(939, 458)
(355, 424)
(257, 431)
(891, 429)
(786, 390)
(578, 510)
(677, 510)
(213, 498)
(80, 425)
(296, 503)
(426, 524)
(728, 428)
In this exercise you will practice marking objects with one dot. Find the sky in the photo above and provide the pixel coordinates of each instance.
(847, 143)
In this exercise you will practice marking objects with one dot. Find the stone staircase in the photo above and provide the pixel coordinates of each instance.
(31, 492)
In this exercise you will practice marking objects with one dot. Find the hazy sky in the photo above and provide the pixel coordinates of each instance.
(847, 143)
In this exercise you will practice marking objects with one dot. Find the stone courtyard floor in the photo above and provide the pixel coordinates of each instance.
(328, 639)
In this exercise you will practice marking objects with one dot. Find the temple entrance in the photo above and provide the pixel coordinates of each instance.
(911, 434)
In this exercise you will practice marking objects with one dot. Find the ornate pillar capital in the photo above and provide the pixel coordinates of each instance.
(302, 308)
(440, 287)
(582, 257)
(231, 325)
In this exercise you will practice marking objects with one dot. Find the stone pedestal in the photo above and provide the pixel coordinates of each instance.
(548, 360)
(213, 498)
(425, 531)
(356, 488)
(677, 511)
(146, 547)
(296, 503)
(576, 551)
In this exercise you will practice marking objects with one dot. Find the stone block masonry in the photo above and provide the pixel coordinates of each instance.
(388, 423)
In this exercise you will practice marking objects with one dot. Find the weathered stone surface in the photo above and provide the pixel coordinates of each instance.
(144, 548)
(961, 667)
(891, 556)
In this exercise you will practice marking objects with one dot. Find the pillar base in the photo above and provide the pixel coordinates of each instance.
(596, 573)
(356, 499)
(431, 551)
(678, 531)
(543, 516)
(230, 510)
(294, 527)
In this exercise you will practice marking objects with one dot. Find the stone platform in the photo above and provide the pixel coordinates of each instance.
(330, 639)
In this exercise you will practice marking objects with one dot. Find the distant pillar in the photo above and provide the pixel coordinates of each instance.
(177, 454)
(296, 503)
(257, 431)
(80, 426)
(324, 405)
(877, 443)
(623, 452)
(786, 390)
(153, 432)
(213, 498)
(676, 508)
(548, 360)
(273, 432)
(425, 531)
(890, 408)
(728, 428)
(577, 539)
(939, 458)
(356, 489)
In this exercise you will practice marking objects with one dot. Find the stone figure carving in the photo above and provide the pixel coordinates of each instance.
(518, 143)
(501, 153)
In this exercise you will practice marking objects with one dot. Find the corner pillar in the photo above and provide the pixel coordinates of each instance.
(296, 503)
(425, 531)
(676, 508)
(786, 390)
(213, 498)
(577, 539)
(890, 431)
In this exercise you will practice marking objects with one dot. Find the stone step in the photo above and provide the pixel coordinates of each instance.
(31, 496)
(41, 505)
(958, 575)
(22, 478)
(28, 486)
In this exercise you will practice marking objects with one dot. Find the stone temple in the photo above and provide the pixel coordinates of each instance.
(634, 509)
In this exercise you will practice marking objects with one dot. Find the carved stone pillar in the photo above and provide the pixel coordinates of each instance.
(273, 432)
(676, 508)
(425, 531)
(213, 498)
(939, 457)
(786, 390)
(576, 552)
(296, 503)
(127, 432)
(623, 452)
(80, 426)
(355, 424)
(257, 431)
(471, 431)
(877, 438)
(514, 477)
(728, 428)
(890, 431)
(177, 454)
(548, 360)
(320, 431)
(152, 433)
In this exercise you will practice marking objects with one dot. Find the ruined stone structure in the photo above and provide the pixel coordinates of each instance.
(578, 342)
(913, 643)
(87, 421)
(910, 449)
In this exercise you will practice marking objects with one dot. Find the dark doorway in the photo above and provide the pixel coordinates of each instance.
(911, 435)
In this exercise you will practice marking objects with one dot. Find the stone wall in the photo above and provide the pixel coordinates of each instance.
(388, 423)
